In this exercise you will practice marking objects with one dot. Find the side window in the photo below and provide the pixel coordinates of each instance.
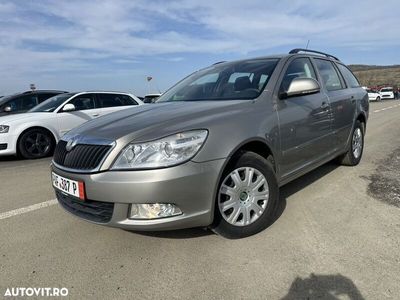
(112, 100)
(23, 103)
(126, 100)
(44, 96)
(298, 68)
(83, 102)
(349, 77)
(329, 75)
(15, 104)
(29, 102)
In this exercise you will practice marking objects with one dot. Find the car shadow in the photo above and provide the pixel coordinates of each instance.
(300, 183)
(285, 192)
(9, 158)
(189, 233)
(328, 287)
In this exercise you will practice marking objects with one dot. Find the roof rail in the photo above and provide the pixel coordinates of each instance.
(297, 50)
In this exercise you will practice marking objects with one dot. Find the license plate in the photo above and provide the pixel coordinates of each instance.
(68, 186)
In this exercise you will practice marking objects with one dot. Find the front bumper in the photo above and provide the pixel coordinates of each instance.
(191, 186)
(10, 141)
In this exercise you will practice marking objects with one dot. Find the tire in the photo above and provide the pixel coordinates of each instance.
(378, 99)
(248, 214)
(36, 143)
(353, 157)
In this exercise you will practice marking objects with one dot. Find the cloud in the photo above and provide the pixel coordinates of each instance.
(39, 38)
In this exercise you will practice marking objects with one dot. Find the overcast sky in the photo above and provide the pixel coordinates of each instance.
(88, 44)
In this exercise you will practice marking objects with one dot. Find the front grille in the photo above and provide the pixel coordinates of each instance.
(95, 211)
(3, 146)
(81, 157)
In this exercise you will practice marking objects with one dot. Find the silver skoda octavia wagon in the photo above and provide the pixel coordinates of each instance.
(215, 148)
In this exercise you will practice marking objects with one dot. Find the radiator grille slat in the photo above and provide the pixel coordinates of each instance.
(81, 157)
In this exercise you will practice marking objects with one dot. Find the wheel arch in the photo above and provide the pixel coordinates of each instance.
(363, 119)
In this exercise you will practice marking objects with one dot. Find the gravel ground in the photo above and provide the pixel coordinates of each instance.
(385, 181)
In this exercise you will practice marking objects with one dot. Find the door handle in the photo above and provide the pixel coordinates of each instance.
(353, 99)
(95, 115)
(325, 106)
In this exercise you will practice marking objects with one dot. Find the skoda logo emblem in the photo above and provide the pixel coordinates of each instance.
(71, 144)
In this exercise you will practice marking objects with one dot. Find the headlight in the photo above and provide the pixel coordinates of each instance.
(4, 128)
(165, 152)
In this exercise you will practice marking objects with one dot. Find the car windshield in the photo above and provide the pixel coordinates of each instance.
(224, 81)
(52, 103)
(386, 90)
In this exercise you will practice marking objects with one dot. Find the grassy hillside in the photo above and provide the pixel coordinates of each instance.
(377, 75)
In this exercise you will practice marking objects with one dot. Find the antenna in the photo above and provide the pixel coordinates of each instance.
(308, 43)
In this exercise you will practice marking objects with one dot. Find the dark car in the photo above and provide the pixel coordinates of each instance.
(215, 148)
(22, 102)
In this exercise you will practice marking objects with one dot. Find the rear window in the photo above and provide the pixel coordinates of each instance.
(348, 76)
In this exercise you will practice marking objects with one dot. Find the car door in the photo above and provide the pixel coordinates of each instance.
(305, 121)
(110, 102)
(85, 110)
(342, 99)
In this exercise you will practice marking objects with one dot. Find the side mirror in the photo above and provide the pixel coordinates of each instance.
(68, 107)
(301, 87)
(8, 109)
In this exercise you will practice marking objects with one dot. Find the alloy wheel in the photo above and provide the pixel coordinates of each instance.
(37, 144)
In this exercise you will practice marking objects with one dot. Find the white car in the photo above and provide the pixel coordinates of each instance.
(373, 95)
(387, 93)
(34, 134)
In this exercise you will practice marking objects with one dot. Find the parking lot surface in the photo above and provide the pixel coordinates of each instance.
(337, 234)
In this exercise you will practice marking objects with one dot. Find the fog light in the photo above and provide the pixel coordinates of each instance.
(153, 211)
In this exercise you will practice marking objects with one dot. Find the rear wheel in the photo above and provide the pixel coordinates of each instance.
(36, 143)
(247, 197)
(353, 156)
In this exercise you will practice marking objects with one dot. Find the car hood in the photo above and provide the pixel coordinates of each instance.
(24, 117)
(157, 120)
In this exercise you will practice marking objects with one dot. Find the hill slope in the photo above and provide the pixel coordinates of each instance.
(377, 75)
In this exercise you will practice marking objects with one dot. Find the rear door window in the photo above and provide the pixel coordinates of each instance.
(329, 75)
(348, 76)
(112, 100)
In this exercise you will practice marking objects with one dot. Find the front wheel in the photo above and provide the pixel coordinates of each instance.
(353, 156)
(247, 197)
(378, 99)
(35, 143)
